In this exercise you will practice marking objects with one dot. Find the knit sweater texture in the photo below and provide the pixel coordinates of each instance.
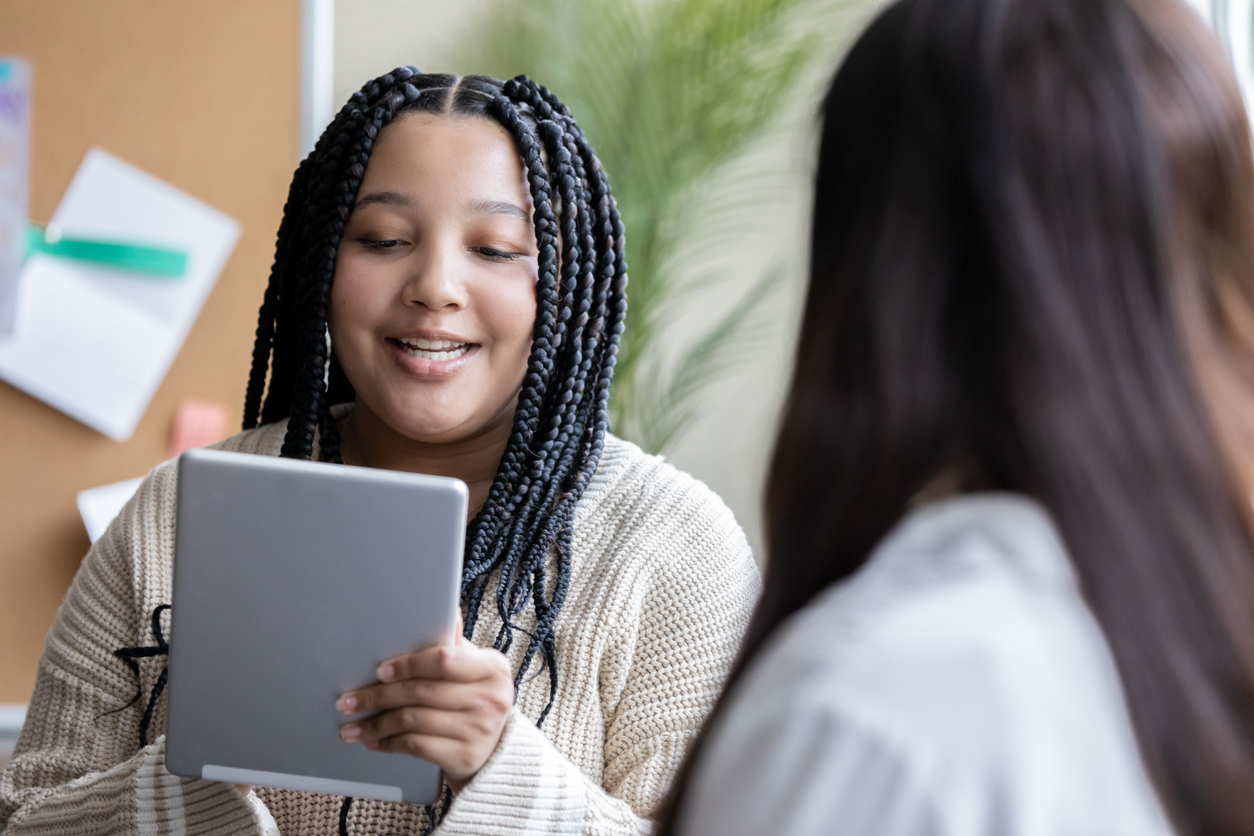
(662, 585)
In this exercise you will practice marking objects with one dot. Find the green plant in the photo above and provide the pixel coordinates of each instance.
(671, 93)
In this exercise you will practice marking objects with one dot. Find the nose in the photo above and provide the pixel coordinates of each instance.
(434, 281)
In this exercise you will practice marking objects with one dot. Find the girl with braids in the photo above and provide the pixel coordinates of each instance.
(1011, 580)
(447, 296)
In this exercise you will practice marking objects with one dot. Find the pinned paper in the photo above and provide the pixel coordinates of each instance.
(14, 181)
(197, 424)
(98, 506)
(96, 342)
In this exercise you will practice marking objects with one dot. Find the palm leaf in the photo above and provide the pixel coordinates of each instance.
(673, 94)
(732, 336)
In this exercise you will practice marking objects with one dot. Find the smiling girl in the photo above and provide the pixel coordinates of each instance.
(446, 298)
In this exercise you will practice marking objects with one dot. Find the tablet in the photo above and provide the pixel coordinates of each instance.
(293, 580)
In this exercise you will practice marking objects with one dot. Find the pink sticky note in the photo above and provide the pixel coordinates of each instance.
(197, 423)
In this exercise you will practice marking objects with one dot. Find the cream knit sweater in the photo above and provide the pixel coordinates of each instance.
(661, 589)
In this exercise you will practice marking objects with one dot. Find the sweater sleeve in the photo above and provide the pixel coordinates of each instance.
(79, 766)
(685, 630)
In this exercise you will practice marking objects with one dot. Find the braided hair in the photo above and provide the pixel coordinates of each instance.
(561, 418)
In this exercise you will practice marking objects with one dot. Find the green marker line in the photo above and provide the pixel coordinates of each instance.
(136, 258)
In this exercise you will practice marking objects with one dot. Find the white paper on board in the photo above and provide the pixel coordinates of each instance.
(98, 506)
(94, 342)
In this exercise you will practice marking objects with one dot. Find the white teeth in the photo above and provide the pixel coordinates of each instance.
(429, 345)
(433, 349)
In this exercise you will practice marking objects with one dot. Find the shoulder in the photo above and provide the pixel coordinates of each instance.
(143, 531)
(964, 655)
(629, 477)
(265, 440)
(639, 505)
(974, 597)
(157, 496)
(938, 585)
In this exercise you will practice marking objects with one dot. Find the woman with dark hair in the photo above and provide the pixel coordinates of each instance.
(447, 296)
(1010, 586)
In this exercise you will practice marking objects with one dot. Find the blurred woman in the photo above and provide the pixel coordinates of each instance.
(1010, 586)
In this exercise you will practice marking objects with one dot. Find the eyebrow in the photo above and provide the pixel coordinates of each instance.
(478, 206)
(386, 199)
(499, 207)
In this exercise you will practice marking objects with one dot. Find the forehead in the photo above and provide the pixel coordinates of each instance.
(464, 152)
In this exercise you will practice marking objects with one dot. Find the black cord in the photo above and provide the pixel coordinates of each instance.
(129, 655)
(436, 810)
(348, 802)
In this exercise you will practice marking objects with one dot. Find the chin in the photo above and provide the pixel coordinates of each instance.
(429, 426)
(431, 431)
(421, 420)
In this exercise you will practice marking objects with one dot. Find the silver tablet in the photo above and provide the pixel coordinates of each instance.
(293, 580)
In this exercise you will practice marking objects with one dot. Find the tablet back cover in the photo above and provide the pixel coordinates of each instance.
(292, 581)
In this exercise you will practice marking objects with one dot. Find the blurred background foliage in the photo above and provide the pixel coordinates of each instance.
(674, 95)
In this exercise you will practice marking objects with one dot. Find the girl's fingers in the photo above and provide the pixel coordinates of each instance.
(430, 693)
(452, 723)
(463, 662)
(428, 722)
(447, 704)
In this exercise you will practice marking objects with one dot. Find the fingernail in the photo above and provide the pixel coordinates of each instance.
(372, 745)
(386, 672)
(347, 704)
(350, 733)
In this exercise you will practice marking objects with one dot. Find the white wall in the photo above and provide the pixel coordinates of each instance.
(375, 36)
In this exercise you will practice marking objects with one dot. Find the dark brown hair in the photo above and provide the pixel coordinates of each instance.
(1032, 270)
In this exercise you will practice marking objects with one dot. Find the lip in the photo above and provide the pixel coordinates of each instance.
(429, 335)
(425, 369)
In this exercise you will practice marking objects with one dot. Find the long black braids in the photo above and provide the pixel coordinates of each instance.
(561, 418)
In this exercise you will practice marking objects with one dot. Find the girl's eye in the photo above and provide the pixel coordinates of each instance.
(494, 254)
(380, 245)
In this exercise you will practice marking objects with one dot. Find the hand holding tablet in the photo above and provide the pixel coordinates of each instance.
(294, 582)
(446, 704)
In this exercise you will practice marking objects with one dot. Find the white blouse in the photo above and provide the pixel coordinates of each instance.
(957, 684)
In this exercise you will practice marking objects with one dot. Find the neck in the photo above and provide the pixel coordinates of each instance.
(367, 441)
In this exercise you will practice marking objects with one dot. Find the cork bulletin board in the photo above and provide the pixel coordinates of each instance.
(205, 95)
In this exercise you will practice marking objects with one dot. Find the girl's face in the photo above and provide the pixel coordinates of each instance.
(434, 297)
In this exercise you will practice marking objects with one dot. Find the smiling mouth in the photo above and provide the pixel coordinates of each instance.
(432, 349)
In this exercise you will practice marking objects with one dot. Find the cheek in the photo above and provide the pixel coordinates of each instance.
(514, 317)
(340, 319)
(353, 312)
